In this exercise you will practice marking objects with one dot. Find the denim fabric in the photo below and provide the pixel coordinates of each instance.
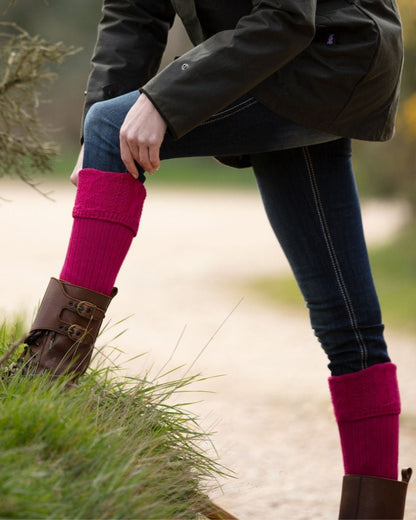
(312, 204)
(244, 127)
(307, 185)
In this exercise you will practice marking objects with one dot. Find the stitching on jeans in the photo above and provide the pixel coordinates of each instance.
(334, 260)
(230, 111)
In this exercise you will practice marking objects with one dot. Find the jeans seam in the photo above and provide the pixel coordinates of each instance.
(333, 256)
(230, 111)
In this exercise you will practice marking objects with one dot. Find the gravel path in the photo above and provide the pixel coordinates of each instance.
(184, 275)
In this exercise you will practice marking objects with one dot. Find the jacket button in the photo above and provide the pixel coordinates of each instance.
(185, 66)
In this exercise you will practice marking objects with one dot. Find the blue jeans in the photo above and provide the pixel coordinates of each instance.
(307, 185)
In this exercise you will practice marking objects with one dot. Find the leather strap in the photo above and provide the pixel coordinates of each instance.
(406, 474)
(71, 310)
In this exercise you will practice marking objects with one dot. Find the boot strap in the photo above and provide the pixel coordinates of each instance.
(406, 474)
(78, 315)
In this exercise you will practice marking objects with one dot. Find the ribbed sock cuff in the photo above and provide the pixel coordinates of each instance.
(109, 196)
(369, 393)
(367, 407)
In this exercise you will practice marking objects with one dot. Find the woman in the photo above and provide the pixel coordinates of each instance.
(281, 85)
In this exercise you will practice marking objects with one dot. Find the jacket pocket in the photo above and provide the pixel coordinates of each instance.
(379, 86)
(322, 78)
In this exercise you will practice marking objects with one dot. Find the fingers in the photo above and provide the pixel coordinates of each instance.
(149, 157)
(154, 157)
(128, 157)
(144, 159)
(145, 153)
(141, 136)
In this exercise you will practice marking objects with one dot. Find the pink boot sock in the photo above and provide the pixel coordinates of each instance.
(367, 408)
(106, 215)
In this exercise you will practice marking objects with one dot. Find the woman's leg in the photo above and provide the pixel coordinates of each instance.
(244, 127)
(106, 215)
(99, 244)
(106, 218)
(311, 201)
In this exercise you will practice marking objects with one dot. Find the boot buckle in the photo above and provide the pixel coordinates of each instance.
(76, 333)
(85, 309)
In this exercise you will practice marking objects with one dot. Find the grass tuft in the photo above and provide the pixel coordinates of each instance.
(110, 448)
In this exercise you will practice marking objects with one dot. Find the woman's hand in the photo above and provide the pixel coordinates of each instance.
(141, 136)
(78, 166)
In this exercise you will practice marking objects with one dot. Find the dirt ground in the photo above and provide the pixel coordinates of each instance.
(184, 277)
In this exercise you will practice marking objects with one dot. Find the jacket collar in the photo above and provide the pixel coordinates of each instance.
(186, 10)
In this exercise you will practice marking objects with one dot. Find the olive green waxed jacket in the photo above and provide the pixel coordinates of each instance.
(333, 65)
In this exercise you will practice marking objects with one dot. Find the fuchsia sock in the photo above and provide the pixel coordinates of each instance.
(367, 408)
(106, 215)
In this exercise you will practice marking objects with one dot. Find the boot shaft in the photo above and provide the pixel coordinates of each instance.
(65, 328)
(373, 498)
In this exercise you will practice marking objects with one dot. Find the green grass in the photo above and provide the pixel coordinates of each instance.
(110, 448)
(394, 270)
(192, 173)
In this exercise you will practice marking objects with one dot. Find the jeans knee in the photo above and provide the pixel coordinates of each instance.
(94, 119)
(101, 139)
(101, 132)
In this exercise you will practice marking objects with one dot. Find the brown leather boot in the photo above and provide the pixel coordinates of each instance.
(373, 498)
(62, 337)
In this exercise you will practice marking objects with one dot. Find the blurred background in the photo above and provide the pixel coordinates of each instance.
(199, 253)
(74, 23)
